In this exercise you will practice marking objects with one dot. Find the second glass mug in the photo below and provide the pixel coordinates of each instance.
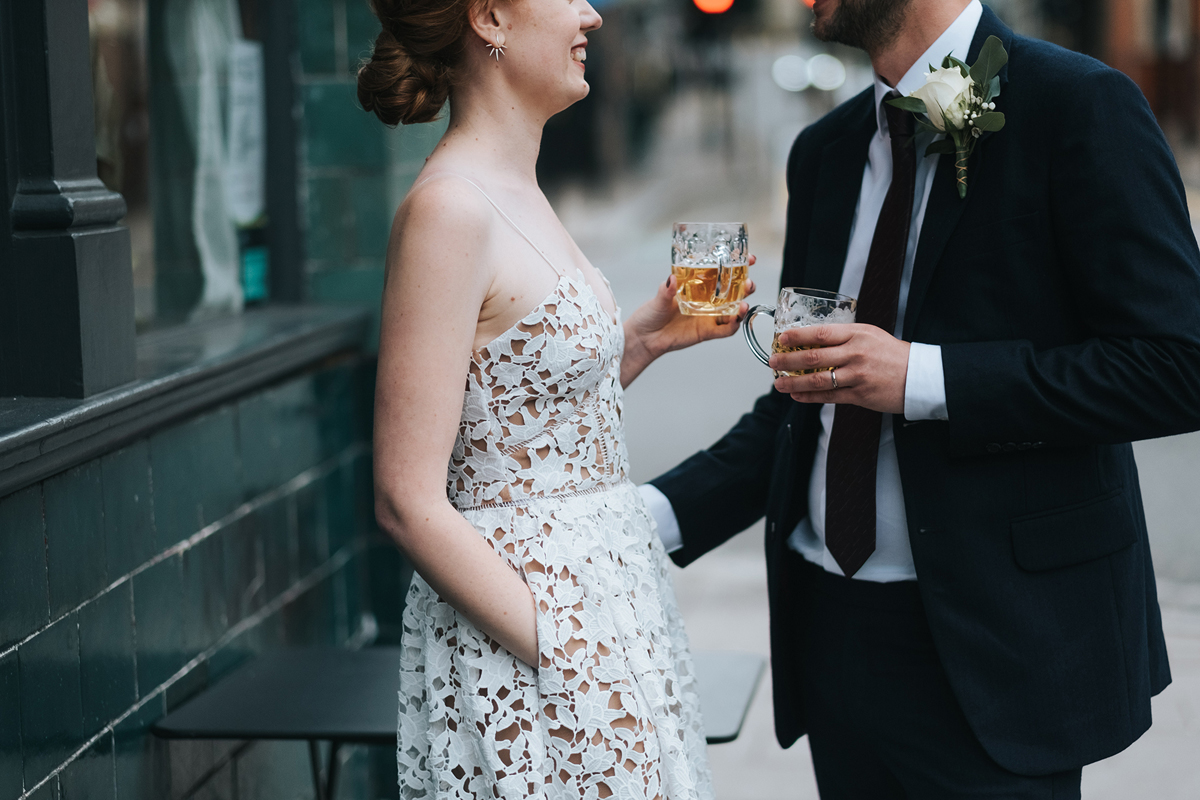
(798, 307)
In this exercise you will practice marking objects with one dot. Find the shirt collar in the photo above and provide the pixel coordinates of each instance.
(955, 41)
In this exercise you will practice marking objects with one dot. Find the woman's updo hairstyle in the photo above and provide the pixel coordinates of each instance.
(408, 77)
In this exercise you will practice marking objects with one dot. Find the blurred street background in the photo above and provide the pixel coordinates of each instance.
(716, 149)
(691, 118)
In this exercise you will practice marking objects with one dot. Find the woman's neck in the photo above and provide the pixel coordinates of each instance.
(490, 124)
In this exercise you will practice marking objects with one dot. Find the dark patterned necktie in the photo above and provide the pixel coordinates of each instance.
(854, 441)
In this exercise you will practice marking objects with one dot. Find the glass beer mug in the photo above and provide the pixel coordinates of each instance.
(709, 261)
(799, 308)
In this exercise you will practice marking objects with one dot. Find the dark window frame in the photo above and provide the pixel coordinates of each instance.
(66, 284)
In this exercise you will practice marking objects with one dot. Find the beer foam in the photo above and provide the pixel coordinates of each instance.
(805, 318)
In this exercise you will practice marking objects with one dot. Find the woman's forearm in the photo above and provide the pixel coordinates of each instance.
(467, 573)
(636, 356)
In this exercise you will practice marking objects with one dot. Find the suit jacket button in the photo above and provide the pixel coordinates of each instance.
(993, 448)
(1010, 447)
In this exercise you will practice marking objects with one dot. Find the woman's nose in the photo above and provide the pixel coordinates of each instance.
(589, 20)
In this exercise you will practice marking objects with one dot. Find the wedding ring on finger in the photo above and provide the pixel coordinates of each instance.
(833, 377)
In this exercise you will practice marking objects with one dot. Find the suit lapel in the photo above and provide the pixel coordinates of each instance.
(836, 190)
(945, 209)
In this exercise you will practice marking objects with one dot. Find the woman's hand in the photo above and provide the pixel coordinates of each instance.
(657, 327)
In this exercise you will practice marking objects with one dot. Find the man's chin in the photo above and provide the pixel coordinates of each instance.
(822, 20)
(820, 29)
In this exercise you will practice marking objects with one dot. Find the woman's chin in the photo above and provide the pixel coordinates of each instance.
(576, 93)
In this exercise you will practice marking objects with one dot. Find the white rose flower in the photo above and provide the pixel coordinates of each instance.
(947, 95)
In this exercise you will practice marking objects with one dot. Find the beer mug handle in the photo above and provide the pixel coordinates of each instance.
(724, 281)
(755, 347)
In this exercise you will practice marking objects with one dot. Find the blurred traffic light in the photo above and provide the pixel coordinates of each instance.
(716, 19)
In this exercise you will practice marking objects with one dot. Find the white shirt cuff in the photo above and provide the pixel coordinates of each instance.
(925, 386)
(664, 517)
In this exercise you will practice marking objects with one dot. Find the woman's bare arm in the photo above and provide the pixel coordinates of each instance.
(437, 281)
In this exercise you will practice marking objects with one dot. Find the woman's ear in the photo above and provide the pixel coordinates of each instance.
(489, 22)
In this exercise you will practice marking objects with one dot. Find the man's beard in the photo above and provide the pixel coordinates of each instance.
(870, 25)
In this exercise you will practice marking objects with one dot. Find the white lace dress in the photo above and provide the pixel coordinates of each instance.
(539, 468)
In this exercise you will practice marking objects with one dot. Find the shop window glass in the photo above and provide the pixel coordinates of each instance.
(180, 132)
(118, 50)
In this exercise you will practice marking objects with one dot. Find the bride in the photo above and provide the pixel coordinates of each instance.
(543, 652)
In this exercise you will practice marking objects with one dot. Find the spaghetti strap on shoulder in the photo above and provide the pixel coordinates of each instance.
(500, 211)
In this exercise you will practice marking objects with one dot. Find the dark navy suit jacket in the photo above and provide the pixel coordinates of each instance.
(1065, 294)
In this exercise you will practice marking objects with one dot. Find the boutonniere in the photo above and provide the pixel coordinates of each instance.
(959, 101)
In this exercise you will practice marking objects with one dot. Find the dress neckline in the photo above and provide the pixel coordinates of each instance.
(581, 284)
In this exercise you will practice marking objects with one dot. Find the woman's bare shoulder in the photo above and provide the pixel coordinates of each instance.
(444, 225)
(446, 200)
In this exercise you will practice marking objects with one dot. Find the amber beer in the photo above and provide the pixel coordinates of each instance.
(709, 261)
(705, 291)
(799, 308)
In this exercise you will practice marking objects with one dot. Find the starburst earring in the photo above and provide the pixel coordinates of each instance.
(495, 50)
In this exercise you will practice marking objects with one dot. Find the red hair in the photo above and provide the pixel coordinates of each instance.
(410, 72)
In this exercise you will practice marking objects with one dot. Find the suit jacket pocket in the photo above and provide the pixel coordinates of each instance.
(1074, 534)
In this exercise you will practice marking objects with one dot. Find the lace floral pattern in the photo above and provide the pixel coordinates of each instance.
(539, 469)
(542, 406)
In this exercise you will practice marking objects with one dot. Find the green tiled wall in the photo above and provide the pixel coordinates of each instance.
(130, 582)
(355, 171)
(24, 594)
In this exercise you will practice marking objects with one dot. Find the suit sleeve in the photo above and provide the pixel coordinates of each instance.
(721, 491)
(1122, 233)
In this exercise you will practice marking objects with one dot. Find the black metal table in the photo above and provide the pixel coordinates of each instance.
(349, 697)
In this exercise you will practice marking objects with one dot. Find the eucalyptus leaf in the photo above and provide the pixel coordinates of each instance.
(990, 121)
(962, 67)
(991, 58)
(993, 90)
(926, 127)
(941, 146)
(913, 104)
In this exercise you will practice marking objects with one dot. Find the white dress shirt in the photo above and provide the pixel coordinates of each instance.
(924, 390)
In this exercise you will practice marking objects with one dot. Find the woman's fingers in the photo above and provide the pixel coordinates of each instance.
(729, 324)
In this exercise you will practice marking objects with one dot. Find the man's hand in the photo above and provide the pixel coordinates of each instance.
(871, 366)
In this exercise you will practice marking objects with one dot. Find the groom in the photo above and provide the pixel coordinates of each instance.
(962, 599)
